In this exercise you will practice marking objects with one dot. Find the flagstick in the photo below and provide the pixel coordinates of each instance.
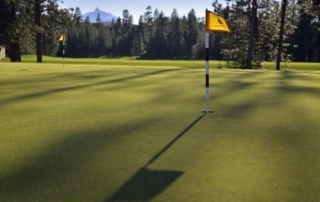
(214, 23)
(63, 53)
(207, 71)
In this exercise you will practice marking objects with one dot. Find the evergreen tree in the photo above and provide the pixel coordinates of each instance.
(160, 37)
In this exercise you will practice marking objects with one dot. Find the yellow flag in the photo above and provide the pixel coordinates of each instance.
(216, 23)
(61, 38)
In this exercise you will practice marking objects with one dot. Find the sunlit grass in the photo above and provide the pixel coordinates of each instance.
(135, 61)
(86, 133)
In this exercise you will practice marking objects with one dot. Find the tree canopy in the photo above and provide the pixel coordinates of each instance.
(33, 27)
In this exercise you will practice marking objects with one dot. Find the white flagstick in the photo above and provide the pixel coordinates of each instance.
(63, 45)
(207, 71)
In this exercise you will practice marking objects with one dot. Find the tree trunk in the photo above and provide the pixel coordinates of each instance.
(38, 35)
(283, 15)
(319, 43)
(251, 36)
(14, 52)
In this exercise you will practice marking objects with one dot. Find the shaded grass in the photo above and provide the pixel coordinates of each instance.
(133, 61)
(87, 133)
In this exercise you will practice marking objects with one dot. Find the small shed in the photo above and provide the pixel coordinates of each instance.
(2, 52)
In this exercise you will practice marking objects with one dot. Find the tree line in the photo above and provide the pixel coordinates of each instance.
(34, 26)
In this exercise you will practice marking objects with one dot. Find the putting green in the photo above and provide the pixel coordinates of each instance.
(107, 133)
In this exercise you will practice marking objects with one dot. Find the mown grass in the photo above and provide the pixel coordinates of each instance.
(131, 61)
(134, 61)
(116, 133)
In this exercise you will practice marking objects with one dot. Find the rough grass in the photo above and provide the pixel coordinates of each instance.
(106, 133)
(133, 61)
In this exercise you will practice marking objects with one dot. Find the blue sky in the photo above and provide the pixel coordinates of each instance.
(137, 7)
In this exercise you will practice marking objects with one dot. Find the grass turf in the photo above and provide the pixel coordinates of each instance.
(132, 61)
(106, 133)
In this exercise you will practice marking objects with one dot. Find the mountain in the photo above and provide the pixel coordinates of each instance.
(105, 17)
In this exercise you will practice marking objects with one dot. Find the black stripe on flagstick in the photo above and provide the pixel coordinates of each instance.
(207, 80)
(207, 54)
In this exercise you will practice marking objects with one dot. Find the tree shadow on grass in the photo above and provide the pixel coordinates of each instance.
(63, 89)
(54, 170)
(287, 84)
(57, 164)
(146, 184)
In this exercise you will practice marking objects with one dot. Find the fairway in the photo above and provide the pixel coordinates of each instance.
(117, 133)
(134, 61)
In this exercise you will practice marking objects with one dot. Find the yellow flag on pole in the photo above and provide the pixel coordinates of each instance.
(61, 38)
(216, 23)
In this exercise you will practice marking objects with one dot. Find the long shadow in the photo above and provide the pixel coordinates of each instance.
(162, 151)
(146, 184)
(287, 86)
(59, 161)
(233, 83)
(63, 89)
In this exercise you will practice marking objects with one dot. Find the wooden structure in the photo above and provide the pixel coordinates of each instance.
(2, 52)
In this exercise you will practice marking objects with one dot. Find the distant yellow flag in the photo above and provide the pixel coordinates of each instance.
(61, 38)
(216, 23)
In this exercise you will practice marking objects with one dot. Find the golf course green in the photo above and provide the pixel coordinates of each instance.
(103, 133)
(135, 61)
